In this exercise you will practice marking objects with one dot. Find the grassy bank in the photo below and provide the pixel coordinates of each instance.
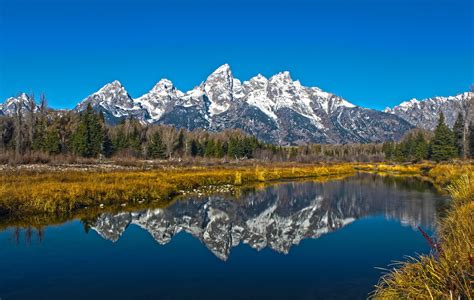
(448, 272)
(58, 191)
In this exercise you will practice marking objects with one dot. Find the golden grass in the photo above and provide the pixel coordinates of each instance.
(448, 272)
(24, 191)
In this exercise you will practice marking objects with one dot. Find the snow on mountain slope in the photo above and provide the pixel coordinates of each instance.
(425, 113)
(158, 98)
(277, 110)
(219, 88)
(10, 107)
(114, 102)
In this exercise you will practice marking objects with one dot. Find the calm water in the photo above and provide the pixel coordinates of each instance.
(297, 240)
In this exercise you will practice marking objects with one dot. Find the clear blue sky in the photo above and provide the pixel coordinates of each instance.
(374, 53)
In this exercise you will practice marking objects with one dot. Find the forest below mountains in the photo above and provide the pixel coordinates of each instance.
(42, 135)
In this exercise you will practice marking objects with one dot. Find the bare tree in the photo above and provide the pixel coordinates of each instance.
(18, 126)
(30, 124)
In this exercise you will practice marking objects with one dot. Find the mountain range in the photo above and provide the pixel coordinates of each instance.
(278, 109)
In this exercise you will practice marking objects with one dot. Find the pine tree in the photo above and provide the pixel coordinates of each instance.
(52, 144)
(399, 152)
(107, 145)
(156, 148)
(219, 149)
(39, 133)
(89, 135)
(232, 148)
(7, 130)
(443, 146)
(421, 147)
(180, 143)
(210, 150)
(388, 148)
(458, 131)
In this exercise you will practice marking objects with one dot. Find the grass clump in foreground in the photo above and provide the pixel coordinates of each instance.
(31, 192)
(448, 272)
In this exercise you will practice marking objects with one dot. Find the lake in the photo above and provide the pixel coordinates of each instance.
(289, 240)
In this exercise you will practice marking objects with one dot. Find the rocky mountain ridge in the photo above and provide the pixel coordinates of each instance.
(278, 109)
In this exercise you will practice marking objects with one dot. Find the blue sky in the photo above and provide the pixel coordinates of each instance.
(374, 53)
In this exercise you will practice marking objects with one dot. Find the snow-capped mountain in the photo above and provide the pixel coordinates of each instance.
(115, 103)
(157, 100)
(10, 107)
(277, 217)
(425, 113)
(278, 109)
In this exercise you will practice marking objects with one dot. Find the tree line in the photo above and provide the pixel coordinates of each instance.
(441, 145)
(41, 135)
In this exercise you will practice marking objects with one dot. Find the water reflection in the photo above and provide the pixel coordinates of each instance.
(282, 215)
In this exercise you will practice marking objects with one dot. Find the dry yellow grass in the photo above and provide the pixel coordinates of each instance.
(63, 191)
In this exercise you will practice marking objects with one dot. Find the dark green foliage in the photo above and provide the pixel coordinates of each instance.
(86, 135)
(242, 147)
(443, 145)
(107, 145)
(180, 144)
(7, 129)
(420, 148)
(458, 131)
(196, 148)
(39, 134)
(388, 149)
(89, 135)
(52, 144)
(156, 148)
(413, 147)
(210, 148)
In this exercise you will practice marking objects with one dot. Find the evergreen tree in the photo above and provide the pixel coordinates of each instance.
(443, 146)
(196, 149)
(52, 143)
(388, 148)
(399, 152)
(156, 148)
(7, 130)
(107, 145)
(458, 131)
(219, 149)
(421, 149)
(232, 148)
(180, 143)
(210, 148)
(89, 135)
(120, 140)
(39, 133)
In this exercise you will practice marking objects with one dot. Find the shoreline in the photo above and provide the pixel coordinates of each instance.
(44, 189)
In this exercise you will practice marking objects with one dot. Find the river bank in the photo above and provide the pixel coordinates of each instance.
(37, 189)
(448, 271)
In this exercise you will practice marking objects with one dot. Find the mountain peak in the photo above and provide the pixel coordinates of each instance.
(425, 113)
(114, 85)
(258, 78)
(22, 96)
(285, 75)
(11, 104)
(163, 84)
(225, 68)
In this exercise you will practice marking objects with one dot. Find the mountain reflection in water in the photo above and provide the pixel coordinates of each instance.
(280, 216)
